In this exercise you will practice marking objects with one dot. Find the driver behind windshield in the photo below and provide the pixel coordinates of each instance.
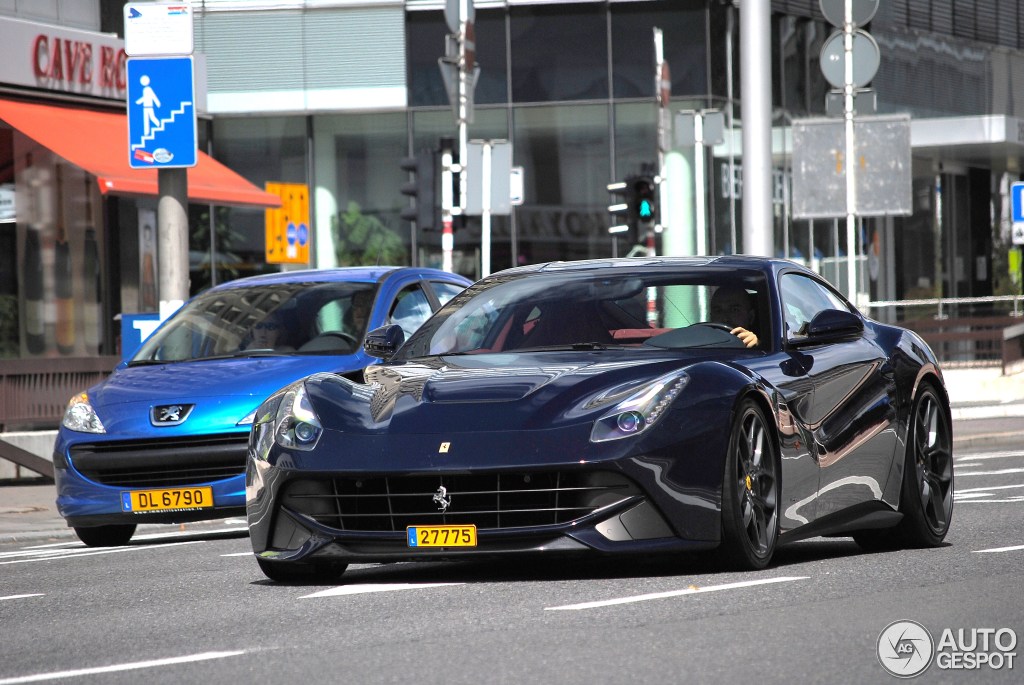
(732, 306)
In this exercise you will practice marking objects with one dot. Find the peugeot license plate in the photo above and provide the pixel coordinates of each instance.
(169, 499)
(441, 536)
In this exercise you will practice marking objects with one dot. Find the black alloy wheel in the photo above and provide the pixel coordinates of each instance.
(926, 494)
(750, 491)
(927, 497)
(105, 536)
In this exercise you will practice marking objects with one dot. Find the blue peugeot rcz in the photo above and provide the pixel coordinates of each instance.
(163, 439)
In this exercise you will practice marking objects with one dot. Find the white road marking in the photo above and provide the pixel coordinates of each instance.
(238, 554)
(674, 593)
(1000, 472)
(994, 487)
(968, 466)
(75, 554)
(205, 656)
(21, 596)
(999, 549)
(183, 533)
(372, 587)
(991, 455)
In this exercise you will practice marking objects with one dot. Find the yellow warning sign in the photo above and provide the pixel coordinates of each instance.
(288, 231)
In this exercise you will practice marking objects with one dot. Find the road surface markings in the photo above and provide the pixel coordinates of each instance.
(991, 455)
(205, 656)
(373, 587)
(20, 596)
(89, 551)
(999, 549)
(998, 472)
(987, 490)
(692, 590)
(238, 554)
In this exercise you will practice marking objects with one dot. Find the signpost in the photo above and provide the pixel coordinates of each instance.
(161, 113)
(1017, 212)
(859, 61)
(162, 127)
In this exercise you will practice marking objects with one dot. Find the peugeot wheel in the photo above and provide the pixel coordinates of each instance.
(105, 536)
(750, 491)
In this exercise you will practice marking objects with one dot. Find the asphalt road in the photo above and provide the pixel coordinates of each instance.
(196, 609)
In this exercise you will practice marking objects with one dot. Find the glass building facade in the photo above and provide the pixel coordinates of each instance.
(334, 94)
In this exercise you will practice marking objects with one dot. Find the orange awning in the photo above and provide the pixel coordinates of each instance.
(98, 142)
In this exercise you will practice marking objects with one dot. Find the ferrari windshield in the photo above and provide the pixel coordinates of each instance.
(596, 309)
(261, 320)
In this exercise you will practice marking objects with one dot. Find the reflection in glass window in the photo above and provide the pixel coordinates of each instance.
(425, 42)
(559, 53)
(358, 203)
(683, 26)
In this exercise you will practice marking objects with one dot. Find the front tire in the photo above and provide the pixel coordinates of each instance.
(926, 493)
(750, 491)
(105, 536)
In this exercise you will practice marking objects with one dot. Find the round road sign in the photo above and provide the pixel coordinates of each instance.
(865, 56)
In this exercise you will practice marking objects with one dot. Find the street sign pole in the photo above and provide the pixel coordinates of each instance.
(851, 166)
(168, 136)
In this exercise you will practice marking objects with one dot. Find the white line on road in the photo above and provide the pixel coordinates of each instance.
(205, 656)
(372, 587)
(994, 487)
(92, 552)
(20, 596)
(989, 455)
(674, 593)
(238, 554)
(1000, 472)
(999, 549)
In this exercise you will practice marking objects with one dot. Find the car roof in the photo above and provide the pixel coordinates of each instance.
(750, 262)
(358, 274)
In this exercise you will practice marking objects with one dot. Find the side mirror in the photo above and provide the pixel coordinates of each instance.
(834, 324)
(383, 342)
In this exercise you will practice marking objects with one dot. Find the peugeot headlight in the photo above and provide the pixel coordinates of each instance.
(81, 417)
(296, 424)
(640, 410)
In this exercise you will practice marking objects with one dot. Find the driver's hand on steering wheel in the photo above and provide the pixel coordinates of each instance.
(748, 338)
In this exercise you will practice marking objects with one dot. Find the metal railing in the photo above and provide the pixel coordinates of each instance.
(965, 331)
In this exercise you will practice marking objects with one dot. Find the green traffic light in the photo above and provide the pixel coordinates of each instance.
(646, 209)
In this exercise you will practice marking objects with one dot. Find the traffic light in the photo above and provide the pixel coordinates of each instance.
(422, 209)
(644, 204)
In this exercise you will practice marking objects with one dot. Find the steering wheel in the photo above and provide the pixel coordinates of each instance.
(349, 339)
(715, 324)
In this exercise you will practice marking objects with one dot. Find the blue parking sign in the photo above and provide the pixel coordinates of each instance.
(161, 113)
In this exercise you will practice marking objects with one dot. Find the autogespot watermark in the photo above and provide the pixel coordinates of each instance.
(906, 649)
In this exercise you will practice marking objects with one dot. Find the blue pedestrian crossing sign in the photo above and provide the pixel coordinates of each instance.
(161, 113)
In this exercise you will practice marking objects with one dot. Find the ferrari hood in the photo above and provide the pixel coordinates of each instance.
(485, 392)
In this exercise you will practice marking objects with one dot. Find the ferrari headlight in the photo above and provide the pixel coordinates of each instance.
(81, 417)
(296, 424)
(640, 410)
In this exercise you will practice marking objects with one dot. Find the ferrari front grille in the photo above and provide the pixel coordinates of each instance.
(489, 501)
(161, 463)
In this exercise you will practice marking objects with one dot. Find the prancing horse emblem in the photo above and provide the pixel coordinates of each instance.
(442, 499)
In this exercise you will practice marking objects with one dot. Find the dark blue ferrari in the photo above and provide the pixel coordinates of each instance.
(163, 439)
(630, 406)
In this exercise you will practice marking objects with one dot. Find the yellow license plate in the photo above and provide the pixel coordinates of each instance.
(441, 536)
(170, 499)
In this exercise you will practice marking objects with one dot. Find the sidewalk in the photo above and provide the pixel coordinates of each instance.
(982, 401)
